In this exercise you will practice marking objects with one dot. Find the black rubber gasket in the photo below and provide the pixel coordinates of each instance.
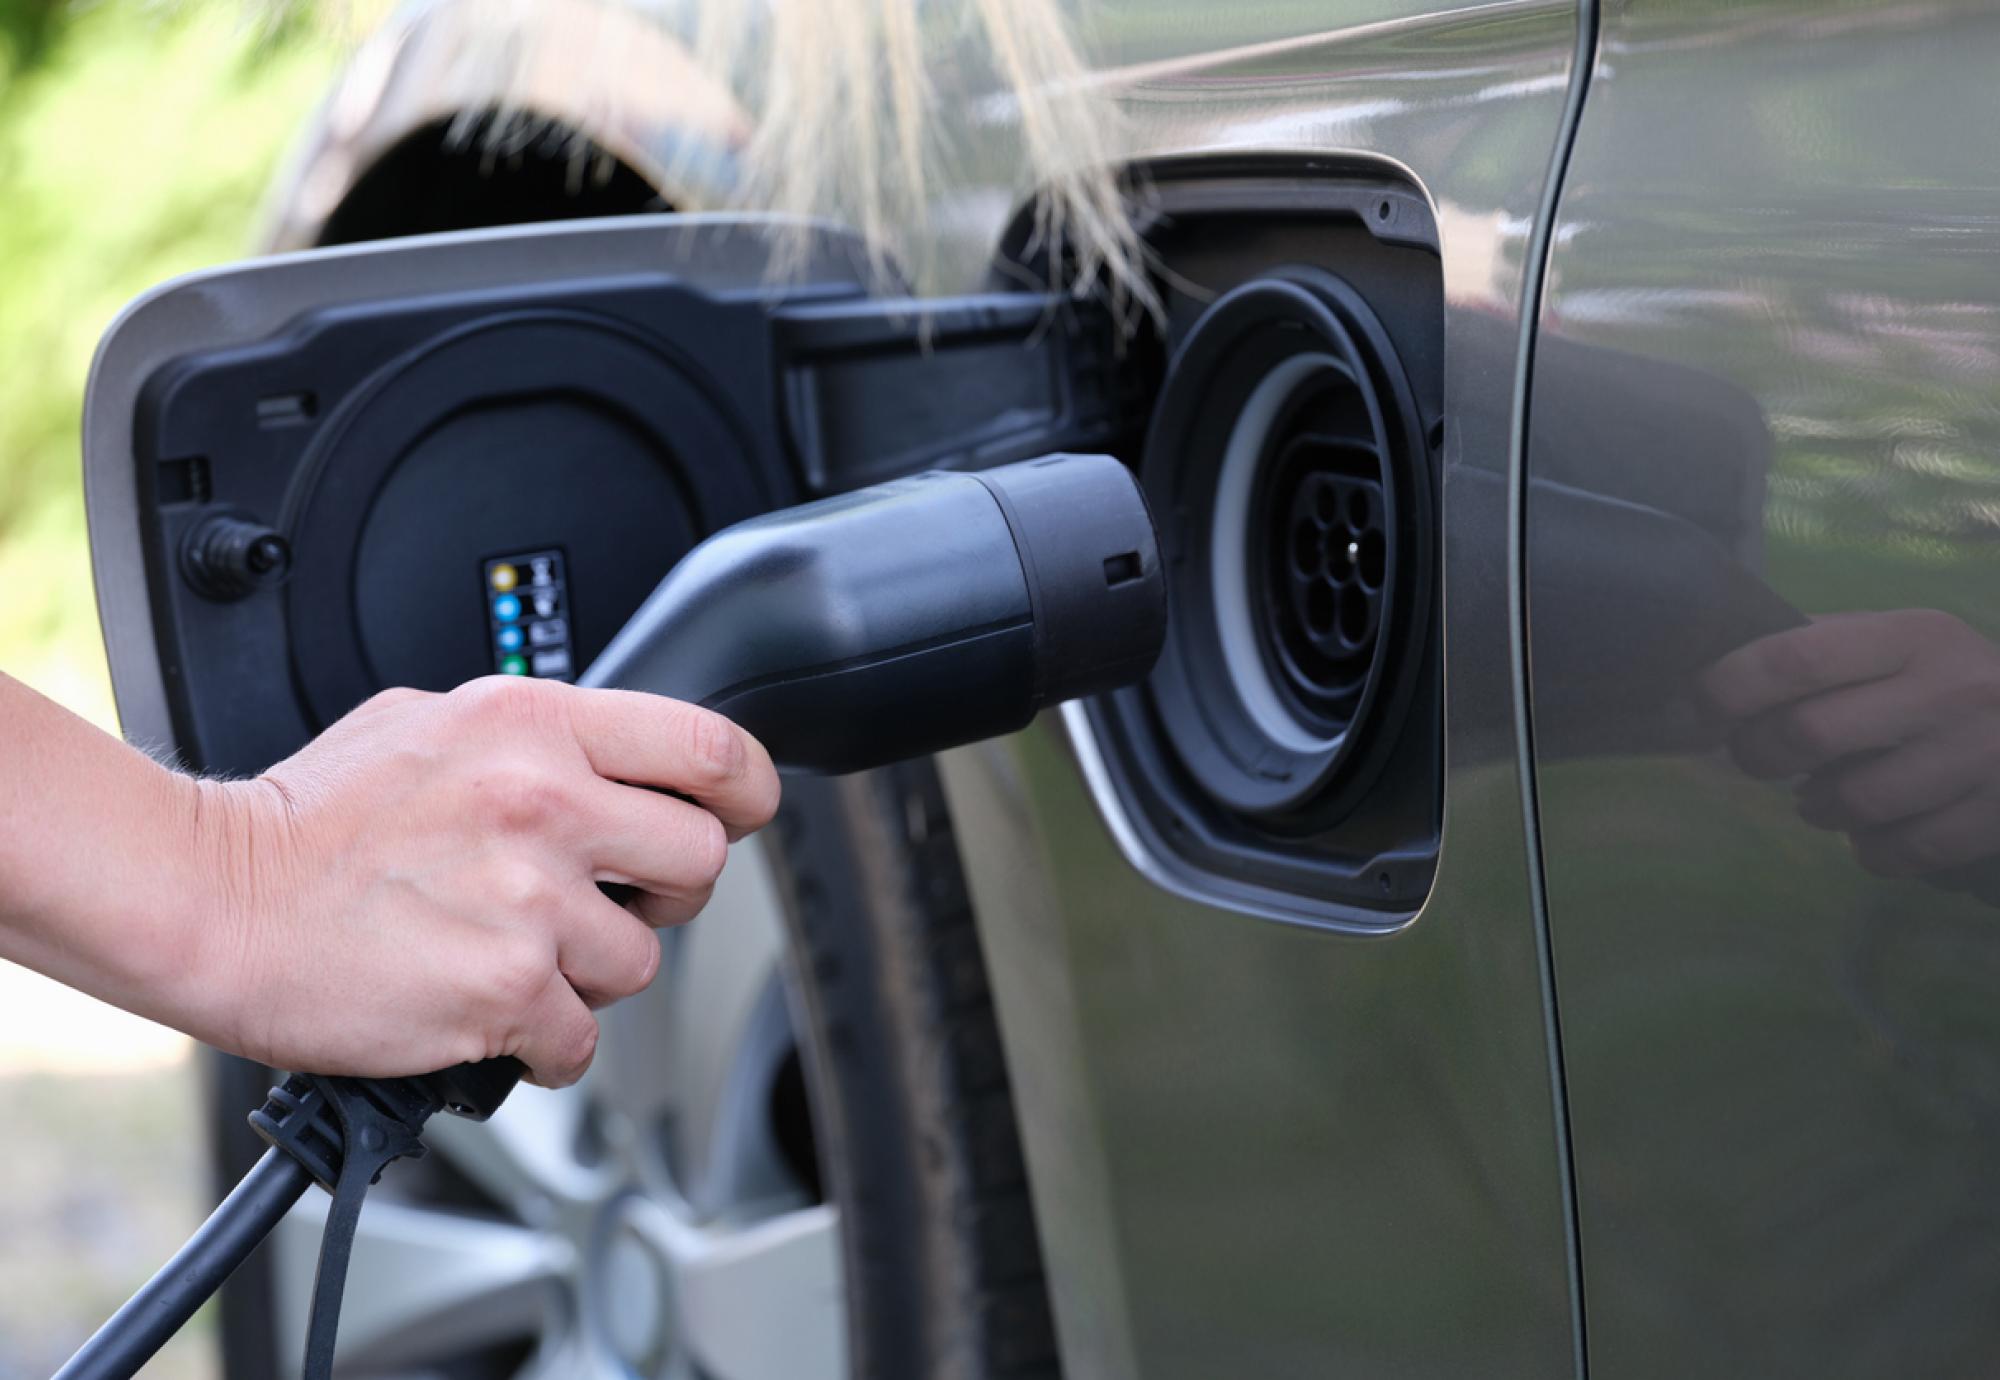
(1234, 348)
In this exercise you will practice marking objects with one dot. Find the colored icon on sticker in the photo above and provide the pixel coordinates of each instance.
(513, 666)
(507, 608)
(503, 577)
(509, 639)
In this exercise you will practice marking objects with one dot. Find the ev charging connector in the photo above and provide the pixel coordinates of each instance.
(886, 623)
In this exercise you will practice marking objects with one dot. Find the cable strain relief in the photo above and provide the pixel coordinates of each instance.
(303, 1116)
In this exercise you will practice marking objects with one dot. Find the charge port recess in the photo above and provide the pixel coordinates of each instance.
(1288, 445)
(1286, 755)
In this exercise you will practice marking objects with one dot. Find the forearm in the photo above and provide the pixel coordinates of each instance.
(413, 889)
(106, 864)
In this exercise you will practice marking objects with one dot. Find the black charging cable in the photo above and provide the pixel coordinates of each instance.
(339, 1133)
(130, 1336)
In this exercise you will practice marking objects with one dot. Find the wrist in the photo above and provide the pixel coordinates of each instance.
(214, 932)
(121, 877)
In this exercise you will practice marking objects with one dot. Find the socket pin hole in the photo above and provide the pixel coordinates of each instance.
(1357, 511)
(1354, 620)
(1306, 548)
(1374, 559)
(1322, 608)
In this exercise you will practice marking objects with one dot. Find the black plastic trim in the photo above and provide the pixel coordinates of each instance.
(1358, 850)
(874, 389)
(708, 407)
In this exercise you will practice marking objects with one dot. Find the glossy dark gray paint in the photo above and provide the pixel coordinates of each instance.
(1260, 1150)
(1774, 298)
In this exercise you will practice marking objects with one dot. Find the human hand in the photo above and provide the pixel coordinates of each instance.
(416, 888)
(1891, 722)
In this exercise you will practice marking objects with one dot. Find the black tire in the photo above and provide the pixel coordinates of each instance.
(915, 1117)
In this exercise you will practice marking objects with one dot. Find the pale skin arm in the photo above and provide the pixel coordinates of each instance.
(412, 890)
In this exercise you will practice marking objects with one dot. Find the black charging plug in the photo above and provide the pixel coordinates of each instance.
(877, 625)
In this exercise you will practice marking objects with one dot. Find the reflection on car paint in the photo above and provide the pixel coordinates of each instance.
(1774, 927)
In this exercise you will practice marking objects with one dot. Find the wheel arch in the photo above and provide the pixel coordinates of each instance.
(559, 109)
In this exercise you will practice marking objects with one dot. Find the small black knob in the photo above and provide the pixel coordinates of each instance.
(227, 557)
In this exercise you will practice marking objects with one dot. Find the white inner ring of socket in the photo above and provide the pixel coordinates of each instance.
(1229, 548)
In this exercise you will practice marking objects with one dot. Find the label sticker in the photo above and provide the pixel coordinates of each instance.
(527, 615)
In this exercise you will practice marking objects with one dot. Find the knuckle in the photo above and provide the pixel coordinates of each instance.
(707, 849)
(642, 963)
(475, 1045)
(648, 966)
(499, 701)
(1722, 691)
(394, 697)
(696, 904)
(715, 750)
(520, 796)
(578, 1048)
(535, 800)
(519, 971)
(765, 808)
(668, 912)
(521, 887)
(1814, 729)
(1794, 660)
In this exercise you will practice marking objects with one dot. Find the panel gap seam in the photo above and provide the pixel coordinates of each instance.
(1534, 288)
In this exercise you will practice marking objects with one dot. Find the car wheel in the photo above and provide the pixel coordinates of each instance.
(793, 1158)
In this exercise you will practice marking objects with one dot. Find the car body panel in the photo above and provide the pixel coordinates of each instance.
(1259, 1149)
(1782, 1071)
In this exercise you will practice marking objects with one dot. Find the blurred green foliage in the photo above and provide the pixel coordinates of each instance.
(136, 142)
(26, 28)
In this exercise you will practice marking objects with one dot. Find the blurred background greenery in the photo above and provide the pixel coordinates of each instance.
(136, 140)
